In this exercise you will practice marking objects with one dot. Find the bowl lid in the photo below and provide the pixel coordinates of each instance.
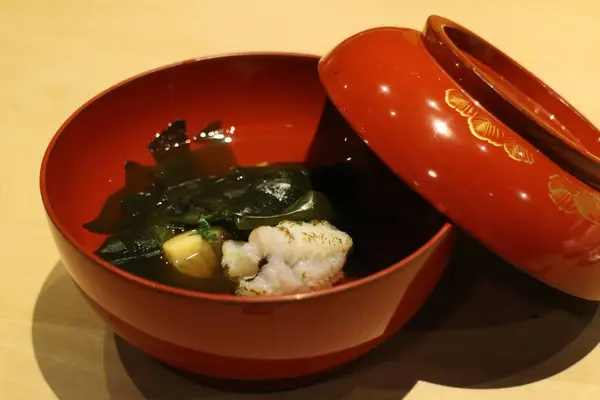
(482, 139)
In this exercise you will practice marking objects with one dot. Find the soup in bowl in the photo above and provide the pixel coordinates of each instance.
(220, 215)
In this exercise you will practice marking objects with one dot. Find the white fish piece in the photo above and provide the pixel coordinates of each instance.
(301, 257)
(240, 259)
(275, 277)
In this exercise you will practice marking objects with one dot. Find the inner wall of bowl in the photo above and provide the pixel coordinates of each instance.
(525, 89)
(280, 114)
(273, 102)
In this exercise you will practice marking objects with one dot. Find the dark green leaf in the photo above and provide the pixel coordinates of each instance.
(170, 143)
(312, 206)
(199, 188)
(128, 245)
(137, 178)
(175, 163)
(171, 151)
(276, 193)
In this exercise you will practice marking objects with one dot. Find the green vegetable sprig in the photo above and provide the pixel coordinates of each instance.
(204, 230)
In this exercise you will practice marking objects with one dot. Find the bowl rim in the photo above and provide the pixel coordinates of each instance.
(445, 230)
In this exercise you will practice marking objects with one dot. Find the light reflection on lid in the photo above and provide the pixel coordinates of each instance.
(441, 127)
(433, 104)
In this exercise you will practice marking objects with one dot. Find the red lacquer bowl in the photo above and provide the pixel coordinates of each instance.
(280, 114)
(482, 139)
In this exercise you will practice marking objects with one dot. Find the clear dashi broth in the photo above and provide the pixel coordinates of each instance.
(342, 182)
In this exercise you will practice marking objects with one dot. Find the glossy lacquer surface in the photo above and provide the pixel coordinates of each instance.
(440, 110)
(273, 109)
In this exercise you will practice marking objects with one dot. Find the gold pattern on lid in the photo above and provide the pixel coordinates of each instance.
(561, 194)
(518, 152)
(588, 205)
(458, 102)
(571, 198)
(483, 129)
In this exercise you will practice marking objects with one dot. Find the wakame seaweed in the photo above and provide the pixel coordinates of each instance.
(251, 197)
(188, 190)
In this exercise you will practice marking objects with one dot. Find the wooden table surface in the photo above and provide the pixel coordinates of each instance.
(489, 332)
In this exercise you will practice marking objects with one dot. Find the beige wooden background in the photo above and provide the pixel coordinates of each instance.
(498, 336)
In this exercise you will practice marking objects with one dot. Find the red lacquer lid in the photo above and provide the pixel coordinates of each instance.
(482, 139)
